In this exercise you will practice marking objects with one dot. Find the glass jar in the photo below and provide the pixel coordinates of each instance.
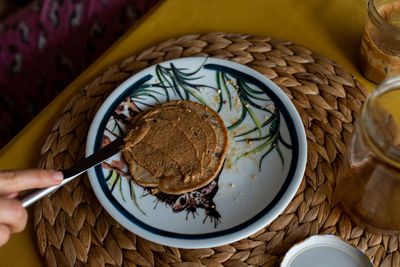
(379, 55)
(369, 182)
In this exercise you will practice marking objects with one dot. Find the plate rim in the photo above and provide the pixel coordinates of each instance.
(210, 241)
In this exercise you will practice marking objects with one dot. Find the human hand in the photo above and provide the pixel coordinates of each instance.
(13, 216)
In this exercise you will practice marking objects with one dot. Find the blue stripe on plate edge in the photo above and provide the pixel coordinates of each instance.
(275, 200)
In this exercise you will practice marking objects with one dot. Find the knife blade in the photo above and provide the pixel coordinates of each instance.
(93, 160)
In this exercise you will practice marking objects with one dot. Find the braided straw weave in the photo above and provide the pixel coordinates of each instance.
(73, 229)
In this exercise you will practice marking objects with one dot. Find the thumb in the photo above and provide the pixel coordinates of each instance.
(18, 180)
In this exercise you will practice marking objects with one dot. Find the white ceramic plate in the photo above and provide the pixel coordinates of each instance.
(263, 169)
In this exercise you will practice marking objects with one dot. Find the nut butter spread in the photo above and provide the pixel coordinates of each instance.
(178, 146)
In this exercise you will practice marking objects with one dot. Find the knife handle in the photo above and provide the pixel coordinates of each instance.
(34, 195)
(69, 174)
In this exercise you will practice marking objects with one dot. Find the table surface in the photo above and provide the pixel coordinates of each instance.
(330, 28)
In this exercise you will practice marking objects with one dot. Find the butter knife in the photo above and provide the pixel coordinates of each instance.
(93, 160)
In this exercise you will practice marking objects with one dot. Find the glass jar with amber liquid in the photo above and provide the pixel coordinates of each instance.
(369, 181)
(379, 55)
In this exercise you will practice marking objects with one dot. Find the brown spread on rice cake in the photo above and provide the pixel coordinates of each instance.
(183, 147)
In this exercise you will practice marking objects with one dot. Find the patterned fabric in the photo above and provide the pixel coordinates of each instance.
(44, 46)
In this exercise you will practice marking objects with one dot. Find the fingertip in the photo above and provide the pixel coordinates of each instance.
(13, 215)
(57, 176)
(18, 180)
(41, 178)
(19, 214)
(4, 234)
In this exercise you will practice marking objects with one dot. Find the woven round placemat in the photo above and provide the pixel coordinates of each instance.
(73, 229)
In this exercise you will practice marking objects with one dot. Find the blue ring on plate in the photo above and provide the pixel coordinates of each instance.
(235, 73)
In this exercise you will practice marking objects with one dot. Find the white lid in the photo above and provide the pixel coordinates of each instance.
(324, 251)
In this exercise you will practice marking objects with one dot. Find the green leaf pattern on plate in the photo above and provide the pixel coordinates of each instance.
(263, 137)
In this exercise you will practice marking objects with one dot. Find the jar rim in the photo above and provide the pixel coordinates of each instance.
(386, 26)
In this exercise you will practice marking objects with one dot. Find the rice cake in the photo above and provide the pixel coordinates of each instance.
(183, 149)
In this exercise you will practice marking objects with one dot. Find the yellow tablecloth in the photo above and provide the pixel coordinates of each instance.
(330, 28)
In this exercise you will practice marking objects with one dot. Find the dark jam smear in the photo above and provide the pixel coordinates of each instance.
(202, 198)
